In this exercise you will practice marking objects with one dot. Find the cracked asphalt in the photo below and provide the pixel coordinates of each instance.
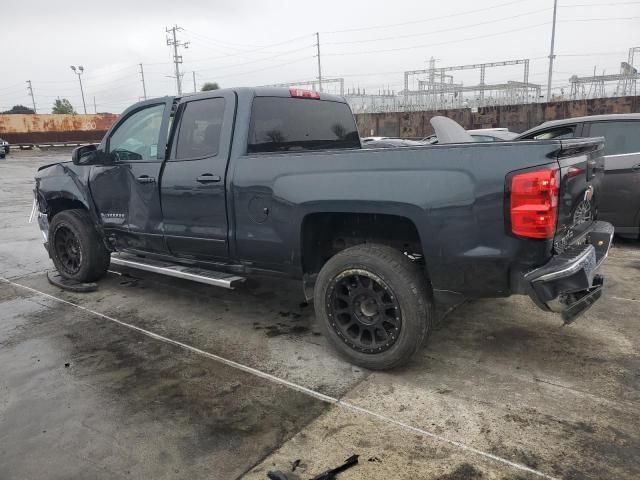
(152, 377)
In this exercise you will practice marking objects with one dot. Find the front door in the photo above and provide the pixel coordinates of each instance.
(125, 189)
(193, 186)
(620, 198)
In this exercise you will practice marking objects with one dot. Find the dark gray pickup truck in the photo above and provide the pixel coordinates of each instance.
(217, 186)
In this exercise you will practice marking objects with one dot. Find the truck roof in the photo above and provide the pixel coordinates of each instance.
(262, 92)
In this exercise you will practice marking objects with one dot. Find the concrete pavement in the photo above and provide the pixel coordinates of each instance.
(157, 377)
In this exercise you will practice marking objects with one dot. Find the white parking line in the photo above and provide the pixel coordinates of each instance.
(294, 386)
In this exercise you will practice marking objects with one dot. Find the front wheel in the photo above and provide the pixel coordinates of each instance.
(76, 248)
(374, 306)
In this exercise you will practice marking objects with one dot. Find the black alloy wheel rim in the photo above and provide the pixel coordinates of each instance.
(363, 311)
(68, 250)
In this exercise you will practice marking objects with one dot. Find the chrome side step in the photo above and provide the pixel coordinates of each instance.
(210, 277)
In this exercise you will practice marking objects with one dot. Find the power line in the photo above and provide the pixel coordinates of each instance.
(598, 4)
(251, 48)
(426, 20)
(446, 42)
(11, 87)
(265, 68)
(89, 76)
(433, 32)
(590, 54)
(606, 19)
(201, 60)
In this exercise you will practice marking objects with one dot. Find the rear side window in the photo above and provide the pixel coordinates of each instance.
(620, 137)
(280, 124)
(483, 138)
(556, 133)
(200, 128)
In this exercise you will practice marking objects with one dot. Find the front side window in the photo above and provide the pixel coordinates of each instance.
(200, 128)
(281, 124)
(620, 137)
(557, 133)
(136, 139)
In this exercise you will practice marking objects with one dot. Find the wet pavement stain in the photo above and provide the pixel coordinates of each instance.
(202, 413)
(465, 471)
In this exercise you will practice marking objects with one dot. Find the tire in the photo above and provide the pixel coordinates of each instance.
(85, 257)
(347, 279)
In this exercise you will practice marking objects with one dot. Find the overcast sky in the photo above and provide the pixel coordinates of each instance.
(239, 43)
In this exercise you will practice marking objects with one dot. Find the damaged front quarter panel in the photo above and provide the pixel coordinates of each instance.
(61, 186)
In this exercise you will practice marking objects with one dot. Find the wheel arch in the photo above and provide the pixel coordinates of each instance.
(325, 233)
(56, 204)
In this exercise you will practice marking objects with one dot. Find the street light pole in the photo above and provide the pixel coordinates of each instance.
(79, 71)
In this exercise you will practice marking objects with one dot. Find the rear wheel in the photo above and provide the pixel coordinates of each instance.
(373, 304)
(76, 248)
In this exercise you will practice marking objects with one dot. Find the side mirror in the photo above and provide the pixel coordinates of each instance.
(85, 155)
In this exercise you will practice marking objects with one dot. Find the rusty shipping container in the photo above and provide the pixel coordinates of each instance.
(52, 128)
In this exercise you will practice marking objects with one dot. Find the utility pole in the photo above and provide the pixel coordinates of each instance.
(33, 100)
(95, 107)
(195, 89)
(144, 87)
(551, 54)
(79, 71)
(177, 59)
(319, 64)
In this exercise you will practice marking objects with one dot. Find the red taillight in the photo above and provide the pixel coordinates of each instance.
(534, 203)
(298, 92)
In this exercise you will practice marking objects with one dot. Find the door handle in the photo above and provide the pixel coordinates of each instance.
(208, 178)
(146, 179)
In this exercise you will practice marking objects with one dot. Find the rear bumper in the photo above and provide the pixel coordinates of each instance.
(569, 283)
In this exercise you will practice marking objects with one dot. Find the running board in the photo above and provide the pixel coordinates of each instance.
(210, 277)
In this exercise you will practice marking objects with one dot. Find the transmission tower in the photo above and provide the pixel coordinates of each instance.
(626, 81)
(172, 41)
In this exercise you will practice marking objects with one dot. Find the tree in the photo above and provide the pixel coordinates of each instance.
(63, 106)
(210, 86)
(20, 109)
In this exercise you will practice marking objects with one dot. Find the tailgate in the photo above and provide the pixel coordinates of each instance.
(581, 173)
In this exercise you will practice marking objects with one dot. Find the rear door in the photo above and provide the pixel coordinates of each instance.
(193, 182)
(125, 189)
(281, 131)
(620, 201)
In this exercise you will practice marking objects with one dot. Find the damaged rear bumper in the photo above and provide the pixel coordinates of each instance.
(569, 283)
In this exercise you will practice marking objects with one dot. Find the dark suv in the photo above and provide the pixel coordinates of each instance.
(620, 196)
